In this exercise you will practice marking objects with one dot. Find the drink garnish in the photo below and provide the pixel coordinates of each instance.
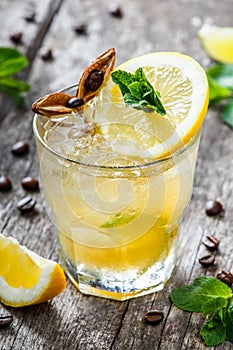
(137, 91)
(214, 299)
(90, 83)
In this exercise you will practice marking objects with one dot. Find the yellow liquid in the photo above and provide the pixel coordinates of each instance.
(117, 224)
(153, 246)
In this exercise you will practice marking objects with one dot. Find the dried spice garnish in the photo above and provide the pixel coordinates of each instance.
(92, 80)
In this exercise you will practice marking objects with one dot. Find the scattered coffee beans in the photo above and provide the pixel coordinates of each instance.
(30, 183)
(30, 16)
(16, 38)
(20, 148)
(26, 205)
(207, 260)
(47, 55)
(5, 319)
(154, 316)
(115, 11)
(225, 277)
(80, 29)
(5, 183)
(75, 102)
(211, 242)
(213, 208)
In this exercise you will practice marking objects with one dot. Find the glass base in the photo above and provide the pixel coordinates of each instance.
(119, 285)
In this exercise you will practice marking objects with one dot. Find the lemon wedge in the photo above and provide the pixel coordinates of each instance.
(217, 42)
(25, 277)
(184, 92)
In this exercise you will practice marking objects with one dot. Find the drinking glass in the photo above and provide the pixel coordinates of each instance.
(117, 210)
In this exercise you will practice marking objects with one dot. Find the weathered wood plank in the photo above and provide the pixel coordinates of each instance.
(72, 320)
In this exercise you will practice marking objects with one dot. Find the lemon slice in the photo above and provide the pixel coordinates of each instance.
(25, 277)
(218, 42)
(183, 87)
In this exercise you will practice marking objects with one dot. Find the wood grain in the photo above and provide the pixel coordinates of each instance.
(72, 320)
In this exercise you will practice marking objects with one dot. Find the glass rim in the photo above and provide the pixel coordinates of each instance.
(148, 164)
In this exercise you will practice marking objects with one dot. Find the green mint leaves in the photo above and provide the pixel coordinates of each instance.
(12, 62)
(213, 331)
(214, 299)
(205, 293)
(137, 91)
(220, 78)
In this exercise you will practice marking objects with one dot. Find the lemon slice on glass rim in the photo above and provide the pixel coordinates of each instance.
(217, 42)
(25, 277)
(184, 92)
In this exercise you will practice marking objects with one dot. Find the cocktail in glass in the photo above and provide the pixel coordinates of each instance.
(115, 204)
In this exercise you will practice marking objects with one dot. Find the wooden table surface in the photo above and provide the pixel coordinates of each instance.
(73, 320)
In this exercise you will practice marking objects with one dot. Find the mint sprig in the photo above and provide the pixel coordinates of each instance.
(137, 91)
(12, 62)
(220, 79)
(213, 331)
(215, 300)
(229, 321)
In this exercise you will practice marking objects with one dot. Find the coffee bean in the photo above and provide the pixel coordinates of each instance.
(154, 316)
(5, 319)
(17, 38)
(75, 102)
(213, 208)
(225, 277)
(26, 204)
(211, 242)
(207, 260)
(5, 183)
(80, 29)
(20, 148)
(47, 55)
(30, 183)
(30, 16)
(94, 80)
(115, 11)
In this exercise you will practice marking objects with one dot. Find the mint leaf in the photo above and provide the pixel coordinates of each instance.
(158, 103)
(140, 76)
(214, 304)
(217, 92)
(213, 331)
(8, 53)
(193, 297)
(227, 115)
(14, 88)
(16, 84)
(11, 62)
(211, 296)
(119, 220)
(220, 78)
(229, 322)
(137, 91)
(16, 95)
(222, 74)
(122, 79)
(12, 66)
